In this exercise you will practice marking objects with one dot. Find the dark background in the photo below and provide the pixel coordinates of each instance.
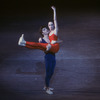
(21, 7)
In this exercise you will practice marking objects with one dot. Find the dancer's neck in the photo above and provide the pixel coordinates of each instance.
(46, 37)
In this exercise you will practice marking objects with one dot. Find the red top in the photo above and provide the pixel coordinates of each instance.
(53, 37)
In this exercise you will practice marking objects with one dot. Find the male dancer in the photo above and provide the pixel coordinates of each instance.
(50, 63)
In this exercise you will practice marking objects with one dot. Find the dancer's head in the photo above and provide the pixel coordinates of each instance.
(51, 25)
(44, 31)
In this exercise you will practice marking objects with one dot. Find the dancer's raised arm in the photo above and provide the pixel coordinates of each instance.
(55, 19)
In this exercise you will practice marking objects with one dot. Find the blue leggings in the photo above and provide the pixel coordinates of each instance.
(50, 63)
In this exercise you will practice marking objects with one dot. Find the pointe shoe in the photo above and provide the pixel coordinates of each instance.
(21, 41)
(48, 91)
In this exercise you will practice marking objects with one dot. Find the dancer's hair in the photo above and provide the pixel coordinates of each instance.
(41, 30)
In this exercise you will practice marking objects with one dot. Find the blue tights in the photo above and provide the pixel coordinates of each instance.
(50, 63)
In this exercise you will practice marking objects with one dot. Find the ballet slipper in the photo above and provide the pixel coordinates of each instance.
(21, 41)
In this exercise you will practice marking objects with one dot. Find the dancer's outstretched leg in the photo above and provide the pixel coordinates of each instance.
(32, 45)
(35, 45)
(43, 46)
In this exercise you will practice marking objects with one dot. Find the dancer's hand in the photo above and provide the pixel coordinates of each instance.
(59, 41)
(53, 8)
(40, 40)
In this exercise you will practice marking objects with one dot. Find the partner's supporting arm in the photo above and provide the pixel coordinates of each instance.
(58, 41)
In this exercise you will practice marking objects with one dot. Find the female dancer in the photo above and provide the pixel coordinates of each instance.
(53, 45)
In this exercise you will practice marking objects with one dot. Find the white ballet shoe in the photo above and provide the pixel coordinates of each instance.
(21, 41)
(49, 88)
(48, 47)
(48, 91)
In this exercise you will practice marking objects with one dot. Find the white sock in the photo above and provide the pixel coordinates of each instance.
(21, 41)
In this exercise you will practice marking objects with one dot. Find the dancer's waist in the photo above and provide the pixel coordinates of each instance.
(49, 53)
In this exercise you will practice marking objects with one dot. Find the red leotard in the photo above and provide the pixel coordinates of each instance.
(42, 46)
(54, 47)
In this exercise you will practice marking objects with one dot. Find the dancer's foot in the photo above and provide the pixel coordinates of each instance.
(48, 47)
(49, 88)
(48, 91)
(21, 41)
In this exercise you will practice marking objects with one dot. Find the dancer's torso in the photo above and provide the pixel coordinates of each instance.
(52, 36)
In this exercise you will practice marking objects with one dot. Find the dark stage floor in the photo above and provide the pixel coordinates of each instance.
(77, 73)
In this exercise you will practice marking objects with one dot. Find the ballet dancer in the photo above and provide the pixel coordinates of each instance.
(50, 62)
(53, 45)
